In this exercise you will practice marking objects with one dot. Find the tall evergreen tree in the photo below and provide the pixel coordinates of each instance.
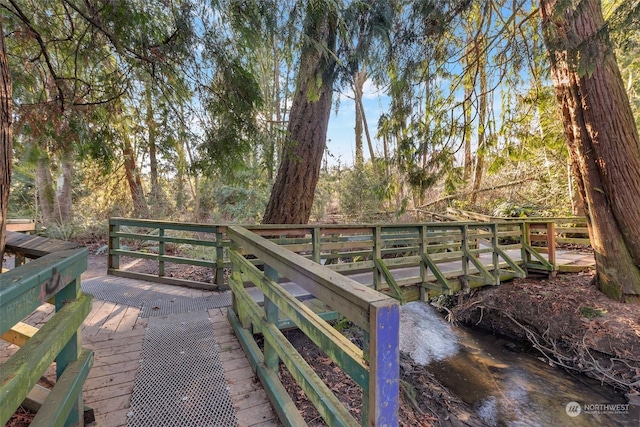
(601, 136)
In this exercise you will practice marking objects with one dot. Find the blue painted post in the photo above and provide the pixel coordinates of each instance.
(384, 367)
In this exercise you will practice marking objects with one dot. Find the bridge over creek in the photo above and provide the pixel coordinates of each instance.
(186, 355)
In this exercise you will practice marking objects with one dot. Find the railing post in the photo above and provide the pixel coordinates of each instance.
(494, 245)
(237, 306)
(220, 260)
(315, 243)
(377, 254)
(160, 251)
(71, 351)
(465, 260)
(424, 271)
(113, 260)
(525, 239)
(271, 359)
(551, 244)
(384, 370)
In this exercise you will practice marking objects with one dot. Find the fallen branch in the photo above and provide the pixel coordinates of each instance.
(579, 361)
(480, 190)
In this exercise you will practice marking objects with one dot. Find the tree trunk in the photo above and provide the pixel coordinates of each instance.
(293, 191)
(482, 118)
(468, 119)
(358, 83)
(45, 192)
(140, 207)
(6, 139)
(62, 203)
(602, 138)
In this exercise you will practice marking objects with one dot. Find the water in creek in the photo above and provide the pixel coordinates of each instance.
(503, 387)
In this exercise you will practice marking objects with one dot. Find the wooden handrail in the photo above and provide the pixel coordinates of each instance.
(376, 369)
(55, 273)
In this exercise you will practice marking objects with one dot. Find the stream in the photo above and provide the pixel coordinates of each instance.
(506, 388)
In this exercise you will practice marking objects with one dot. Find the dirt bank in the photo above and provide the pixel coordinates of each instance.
(566, 319)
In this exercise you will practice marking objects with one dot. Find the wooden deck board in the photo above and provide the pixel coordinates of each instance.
(115, 333)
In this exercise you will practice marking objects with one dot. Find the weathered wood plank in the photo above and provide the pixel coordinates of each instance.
(108, 392)
(19, 334)
(36, 246)
(346, 354)
(163, 258)
(64, 395)
(20, 225)
(25, 288)
(255, 415)
(166, 239)
(164, 280)
(28, 364)
(98, 382)
(343, 294)
(116, 418)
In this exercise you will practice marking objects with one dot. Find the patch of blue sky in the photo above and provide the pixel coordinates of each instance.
(341, 132)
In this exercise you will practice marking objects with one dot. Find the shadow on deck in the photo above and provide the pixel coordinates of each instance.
(122, 335)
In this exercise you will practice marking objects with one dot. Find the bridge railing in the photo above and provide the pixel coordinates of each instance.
(53, 275)
(167, 243)
(374, 367)
(350, 250)
(567, 230)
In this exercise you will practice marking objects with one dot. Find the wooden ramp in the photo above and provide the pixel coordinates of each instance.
(115, 332)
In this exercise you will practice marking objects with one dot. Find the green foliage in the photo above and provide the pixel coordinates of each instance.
(21, 197)
(234, 98)
(326, 194)
(362, 193)
(590, 312)
(63, 231)
(243, 202)
(509, 210)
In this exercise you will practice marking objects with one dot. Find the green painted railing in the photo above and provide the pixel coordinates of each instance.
(567, 230)
(53, 275)
(200, 245)
(374, 367)
(350, 249)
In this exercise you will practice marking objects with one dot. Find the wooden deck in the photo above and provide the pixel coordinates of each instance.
(116, 332)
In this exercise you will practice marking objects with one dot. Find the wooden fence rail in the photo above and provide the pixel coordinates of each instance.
(404, 261)
(374, 367)
(53, 275)
(567, 230)
(348, 249)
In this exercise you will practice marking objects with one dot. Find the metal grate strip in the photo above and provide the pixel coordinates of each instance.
(181, 380)
(151, 301)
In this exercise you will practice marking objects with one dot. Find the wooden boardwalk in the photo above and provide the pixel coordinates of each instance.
(116, 332)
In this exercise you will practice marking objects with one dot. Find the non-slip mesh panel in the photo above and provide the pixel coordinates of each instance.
(181, 379)
(151, 301)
